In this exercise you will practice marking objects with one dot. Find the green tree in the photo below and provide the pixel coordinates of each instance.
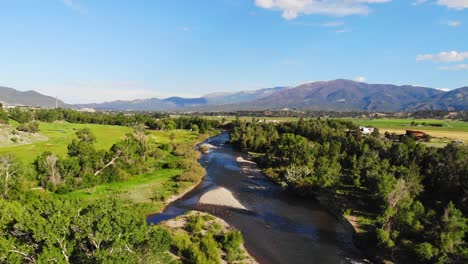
(11, 176)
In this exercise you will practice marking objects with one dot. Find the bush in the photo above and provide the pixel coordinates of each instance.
(232, 240)
(425, 251)
(209, 246)
(384, 239)
(32, 127)
(194, 224)
(181, 242)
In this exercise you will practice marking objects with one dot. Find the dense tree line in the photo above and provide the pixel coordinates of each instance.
(38, 230)
(422, 114)
(418, 195)
(154, 121)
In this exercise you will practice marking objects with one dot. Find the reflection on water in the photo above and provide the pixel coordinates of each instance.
(278, 228)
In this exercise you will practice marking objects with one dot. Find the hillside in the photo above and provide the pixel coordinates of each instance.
(346, 95)
(452, 100)
(335, 95)
(10, 96)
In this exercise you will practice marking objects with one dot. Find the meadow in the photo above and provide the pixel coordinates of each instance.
(60, 134)
(149, 191)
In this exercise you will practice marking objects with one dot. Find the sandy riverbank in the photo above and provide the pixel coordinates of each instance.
(220, 197)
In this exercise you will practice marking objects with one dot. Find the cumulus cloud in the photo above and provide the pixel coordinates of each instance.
(445, 56)
(293, 8)
(454, 4)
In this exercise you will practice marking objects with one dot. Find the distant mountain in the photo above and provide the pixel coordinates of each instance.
(179, 103)
(242, 96)
(345, 95)
(452, 100)
(10, 96)
(335, 95)
(153, 104)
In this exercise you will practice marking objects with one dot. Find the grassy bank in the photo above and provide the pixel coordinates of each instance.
(151, 192)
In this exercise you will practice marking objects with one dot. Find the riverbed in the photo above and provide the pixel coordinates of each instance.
(277, 227)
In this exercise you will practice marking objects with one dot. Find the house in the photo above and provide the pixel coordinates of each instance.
(415, 134)
(366, 130)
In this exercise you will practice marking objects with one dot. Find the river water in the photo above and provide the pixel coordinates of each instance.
(277, 227)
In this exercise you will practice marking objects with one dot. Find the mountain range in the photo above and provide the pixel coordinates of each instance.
(335, 95)
(10, 96)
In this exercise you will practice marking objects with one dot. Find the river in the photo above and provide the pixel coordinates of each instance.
(277, 227)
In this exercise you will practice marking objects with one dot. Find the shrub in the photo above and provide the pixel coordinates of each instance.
(194, 224)
(209, 246)
(425, 251)
(32, 127)
(232, 240)
(181, 242)
(384, 239)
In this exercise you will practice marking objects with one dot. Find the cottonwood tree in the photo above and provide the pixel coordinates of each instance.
(10, 175)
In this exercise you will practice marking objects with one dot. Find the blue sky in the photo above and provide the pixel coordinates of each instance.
(100, 50)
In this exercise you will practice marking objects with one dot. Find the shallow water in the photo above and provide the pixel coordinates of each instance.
(277, 227)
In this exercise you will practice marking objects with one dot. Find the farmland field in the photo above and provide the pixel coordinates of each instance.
(442, 130)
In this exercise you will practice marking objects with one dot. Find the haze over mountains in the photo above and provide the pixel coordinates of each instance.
(336, 95)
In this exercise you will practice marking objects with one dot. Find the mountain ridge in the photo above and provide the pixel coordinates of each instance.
(333, 95)
(11, 96)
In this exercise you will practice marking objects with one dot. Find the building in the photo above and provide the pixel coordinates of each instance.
(415, 134)
(366, 130)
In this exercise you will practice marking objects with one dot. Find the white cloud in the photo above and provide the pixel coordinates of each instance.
(457, 67)
(360, 79)
(454, 4)
(445, 56)
(452, 23)
(293, 8)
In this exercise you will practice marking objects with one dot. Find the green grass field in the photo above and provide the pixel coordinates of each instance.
(450, 130)
(141, 189)
(60, 135)
(144, 190)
